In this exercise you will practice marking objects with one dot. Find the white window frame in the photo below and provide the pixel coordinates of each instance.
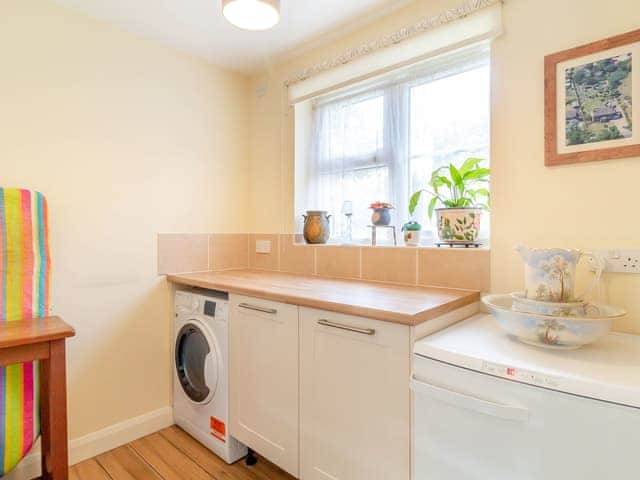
(406, 79)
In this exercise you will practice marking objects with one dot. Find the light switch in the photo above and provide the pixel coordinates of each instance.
(263, 246)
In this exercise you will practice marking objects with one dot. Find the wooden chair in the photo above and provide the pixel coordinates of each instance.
(32, 343)
(44, 339)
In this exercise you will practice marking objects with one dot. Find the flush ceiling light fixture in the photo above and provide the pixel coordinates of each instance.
(252, 14)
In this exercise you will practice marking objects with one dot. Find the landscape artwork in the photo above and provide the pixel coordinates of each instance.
(590, 113)
(598, 101)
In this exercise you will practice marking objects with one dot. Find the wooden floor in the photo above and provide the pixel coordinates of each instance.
(170, 454)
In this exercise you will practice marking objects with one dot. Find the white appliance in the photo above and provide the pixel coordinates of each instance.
(487, 407)
(201, 375)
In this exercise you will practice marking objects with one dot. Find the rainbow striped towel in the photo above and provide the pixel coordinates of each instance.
(24, 293)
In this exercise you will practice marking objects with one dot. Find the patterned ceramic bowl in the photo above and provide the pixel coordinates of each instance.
(552, 331)
(529, 305)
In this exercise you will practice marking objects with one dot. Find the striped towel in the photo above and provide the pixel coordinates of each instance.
(24, 293)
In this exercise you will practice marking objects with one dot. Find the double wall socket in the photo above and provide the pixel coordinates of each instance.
(618, 260)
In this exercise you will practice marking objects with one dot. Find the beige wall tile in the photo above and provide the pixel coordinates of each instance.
(181, 253)
(296, 258)
(390, 264)
(264, 261)
(228, 251)
(338, 261)
(457, 268)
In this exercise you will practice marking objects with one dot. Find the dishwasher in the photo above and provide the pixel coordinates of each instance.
(487, 407)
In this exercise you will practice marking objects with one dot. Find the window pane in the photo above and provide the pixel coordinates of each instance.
(349, 163)
(356, 129)
(451, 114)
(449, 123)
(383, 144)
(361, 187)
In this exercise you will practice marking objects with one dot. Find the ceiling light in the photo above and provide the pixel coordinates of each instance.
(252, 14)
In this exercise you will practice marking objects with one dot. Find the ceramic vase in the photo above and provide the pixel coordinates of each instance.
(381, 217)
(316, 226)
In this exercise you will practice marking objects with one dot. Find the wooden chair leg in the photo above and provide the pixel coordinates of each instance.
(53, 398)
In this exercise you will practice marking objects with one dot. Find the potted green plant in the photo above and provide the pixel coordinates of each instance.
(463, 195)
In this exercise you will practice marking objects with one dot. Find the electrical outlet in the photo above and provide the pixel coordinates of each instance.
(618, 260)
(263, 246)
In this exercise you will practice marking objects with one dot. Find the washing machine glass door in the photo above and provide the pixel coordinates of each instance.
(196, 362)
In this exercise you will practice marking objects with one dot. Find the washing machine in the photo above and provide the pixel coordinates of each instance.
(201, 371)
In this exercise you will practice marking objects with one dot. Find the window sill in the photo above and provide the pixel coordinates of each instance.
(484, 245)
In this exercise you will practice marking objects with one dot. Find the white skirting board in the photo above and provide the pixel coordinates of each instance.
(98, 442)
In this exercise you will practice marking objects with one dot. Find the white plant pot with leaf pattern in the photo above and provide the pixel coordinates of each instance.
(463, 193)
(458, 225)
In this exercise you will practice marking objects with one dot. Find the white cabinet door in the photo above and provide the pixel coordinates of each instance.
(264, 379)
(355, 399)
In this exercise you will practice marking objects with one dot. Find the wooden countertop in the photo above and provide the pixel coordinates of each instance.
(408, 305)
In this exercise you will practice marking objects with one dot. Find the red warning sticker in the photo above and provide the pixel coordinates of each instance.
(218, 429)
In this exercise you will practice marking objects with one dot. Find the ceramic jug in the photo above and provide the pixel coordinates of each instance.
(549, 273)
(316, 226)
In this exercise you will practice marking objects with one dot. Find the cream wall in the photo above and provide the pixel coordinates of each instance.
(584, 206)
(126, 139)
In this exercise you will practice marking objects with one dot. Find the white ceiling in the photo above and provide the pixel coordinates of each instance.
(198, 27)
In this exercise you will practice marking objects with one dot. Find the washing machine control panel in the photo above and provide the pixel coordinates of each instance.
(187, 303)
(210, 308)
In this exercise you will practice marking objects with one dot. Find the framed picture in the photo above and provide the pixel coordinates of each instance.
(592, 101)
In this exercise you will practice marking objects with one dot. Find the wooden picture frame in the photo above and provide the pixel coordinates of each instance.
(592, 110)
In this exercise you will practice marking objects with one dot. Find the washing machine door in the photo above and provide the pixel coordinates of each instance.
(196, 362)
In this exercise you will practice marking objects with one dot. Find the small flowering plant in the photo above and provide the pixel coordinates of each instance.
(376, 205)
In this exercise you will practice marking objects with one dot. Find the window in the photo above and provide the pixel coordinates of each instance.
(381, 141)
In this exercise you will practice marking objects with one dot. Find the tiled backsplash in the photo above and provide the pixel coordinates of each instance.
(186, 252)
(183, 253)
(227, 252)
(447, 267)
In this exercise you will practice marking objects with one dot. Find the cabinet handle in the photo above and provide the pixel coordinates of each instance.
(364, 331)
(271, 311)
